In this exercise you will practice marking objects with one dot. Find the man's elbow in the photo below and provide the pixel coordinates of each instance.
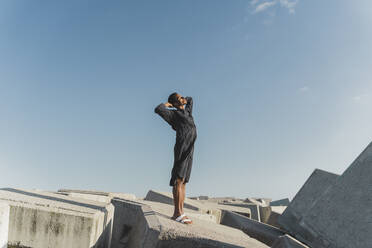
(157, 108)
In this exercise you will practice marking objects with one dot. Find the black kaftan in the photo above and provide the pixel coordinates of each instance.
(182, 122)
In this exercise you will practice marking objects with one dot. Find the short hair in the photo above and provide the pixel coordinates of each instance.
(173, 98)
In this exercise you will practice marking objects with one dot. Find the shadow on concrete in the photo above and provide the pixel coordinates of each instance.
(54, 198)
(181, 242)
(104, 240)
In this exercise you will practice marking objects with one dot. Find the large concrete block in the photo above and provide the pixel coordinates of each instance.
(138, 225)
(42, 219)
(319, 182)
(342, 216)
(287, 241)
(260, 231)
(4, 224)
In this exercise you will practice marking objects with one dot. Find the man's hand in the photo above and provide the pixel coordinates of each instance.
(169, 105)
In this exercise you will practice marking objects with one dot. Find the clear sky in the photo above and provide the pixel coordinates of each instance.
(280, 87)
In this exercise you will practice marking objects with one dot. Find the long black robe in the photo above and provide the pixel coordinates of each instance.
(182, 122)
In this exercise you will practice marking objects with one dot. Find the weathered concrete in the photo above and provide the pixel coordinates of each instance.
(281, 202)
(342, 216)
(287, 241)
(139, 225)
(96, 195)
(43, 219)
(319, 182)
(260, 231)
(4, 224)
(254, 208)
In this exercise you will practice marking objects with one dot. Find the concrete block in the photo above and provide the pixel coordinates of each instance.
(319, 182)
(287, 241)
(4, 224)
(265, 213)
(139, 225)
(260, 231)
(44, 219)
(281, 202)
(342, 215)
(254, 208)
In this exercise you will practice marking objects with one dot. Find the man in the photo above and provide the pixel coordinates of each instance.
(181, 120)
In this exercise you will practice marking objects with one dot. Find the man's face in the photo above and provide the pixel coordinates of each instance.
(181, 100)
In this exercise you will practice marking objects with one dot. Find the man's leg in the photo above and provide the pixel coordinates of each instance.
(183, 197)
(177, 197)
(183, 193)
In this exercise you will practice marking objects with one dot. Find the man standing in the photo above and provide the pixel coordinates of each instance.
(181, 120)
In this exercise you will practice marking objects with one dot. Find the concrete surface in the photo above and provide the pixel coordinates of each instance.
(281, 202)
(287, 241)
(342, 216)
(260, 231)
(43, 219)
(4, 224)
(139, 225)
(318, 182)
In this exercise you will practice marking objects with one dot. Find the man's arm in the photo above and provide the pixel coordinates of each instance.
(166, 114)
(189, 104)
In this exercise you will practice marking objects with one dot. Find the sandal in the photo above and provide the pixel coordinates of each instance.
(183, 221)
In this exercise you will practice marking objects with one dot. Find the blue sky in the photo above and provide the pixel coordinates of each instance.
(279, 87)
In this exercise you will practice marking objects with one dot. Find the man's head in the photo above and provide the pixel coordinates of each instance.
(176, 100)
